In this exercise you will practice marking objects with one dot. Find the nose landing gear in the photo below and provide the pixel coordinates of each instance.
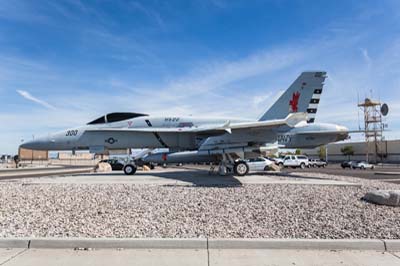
(130, 169)
(230, 166)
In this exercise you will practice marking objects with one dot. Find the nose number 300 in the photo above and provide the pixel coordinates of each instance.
(71, 133)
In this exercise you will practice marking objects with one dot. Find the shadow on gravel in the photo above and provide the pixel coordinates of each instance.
(292, 175)
(198, 178)
(195, 177)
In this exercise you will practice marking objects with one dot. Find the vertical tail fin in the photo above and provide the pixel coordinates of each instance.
(302, 96)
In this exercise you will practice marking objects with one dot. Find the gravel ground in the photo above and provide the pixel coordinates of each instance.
(250, 211)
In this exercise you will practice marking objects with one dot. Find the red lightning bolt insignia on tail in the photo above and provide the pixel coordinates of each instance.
(294, 102)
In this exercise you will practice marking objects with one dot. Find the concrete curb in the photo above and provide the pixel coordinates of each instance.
(387, 173)
(113, 243)
(14, 243)
(318, 244)
(392, 244)
(201, 243)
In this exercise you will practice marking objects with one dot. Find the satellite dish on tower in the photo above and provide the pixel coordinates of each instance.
(384, 109)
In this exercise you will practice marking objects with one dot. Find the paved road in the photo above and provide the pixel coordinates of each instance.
(42, 171)
(192, 174)
(335, 169)
(42, 167)
(184, 176)
(177, 257)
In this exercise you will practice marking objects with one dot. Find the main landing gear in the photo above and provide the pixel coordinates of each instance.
(230, 166)
(240, 168)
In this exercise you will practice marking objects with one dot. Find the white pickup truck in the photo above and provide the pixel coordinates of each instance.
(296, 161)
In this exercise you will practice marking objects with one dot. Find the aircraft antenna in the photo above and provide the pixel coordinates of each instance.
(358, 111)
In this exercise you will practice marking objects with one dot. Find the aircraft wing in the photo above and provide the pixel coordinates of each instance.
(227, 127)
(291, 120)
(321, 132)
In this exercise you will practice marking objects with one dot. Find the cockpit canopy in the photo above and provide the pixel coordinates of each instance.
(114, 117)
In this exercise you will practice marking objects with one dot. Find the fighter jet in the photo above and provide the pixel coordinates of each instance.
(290, 121)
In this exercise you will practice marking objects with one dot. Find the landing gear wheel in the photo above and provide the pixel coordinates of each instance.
(241, 168)
(130, 169)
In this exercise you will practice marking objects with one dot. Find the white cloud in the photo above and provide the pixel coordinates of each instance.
(30, 97)
(216, 76)
(366, 57)
(259, 99)
(149, 12)
(215, 88)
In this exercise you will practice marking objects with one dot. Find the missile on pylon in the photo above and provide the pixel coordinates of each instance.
(180, 157)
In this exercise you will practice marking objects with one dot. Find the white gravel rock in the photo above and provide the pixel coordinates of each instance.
(248, 211)
(103, 168)
(384, 197)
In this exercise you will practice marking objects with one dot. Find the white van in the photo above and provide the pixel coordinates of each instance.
(296, 161)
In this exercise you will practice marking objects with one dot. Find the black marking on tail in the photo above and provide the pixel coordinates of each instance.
(317, 91)
(314, 101)
(156, 135)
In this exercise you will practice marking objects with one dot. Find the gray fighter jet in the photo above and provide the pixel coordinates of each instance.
(290, 121)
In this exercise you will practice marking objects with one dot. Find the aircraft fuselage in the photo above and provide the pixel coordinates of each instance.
(82, 138)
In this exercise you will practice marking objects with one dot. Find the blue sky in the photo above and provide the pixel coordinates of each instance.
(63, 63)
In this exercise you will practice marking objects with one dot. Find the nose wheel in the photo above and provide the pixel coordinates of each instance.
(130, 169)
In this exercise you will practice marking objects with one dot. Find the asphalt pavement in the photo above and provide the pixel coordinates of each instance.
(43, 171)
(387, 173)
(186, 175)
(384, 173)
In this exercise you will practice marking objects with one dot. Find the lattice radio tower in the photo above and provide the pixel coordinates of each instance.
(373, 128)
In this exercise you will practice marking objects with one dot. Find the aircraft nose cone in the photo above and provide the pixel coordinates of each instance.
(37, 144)
(31, 145)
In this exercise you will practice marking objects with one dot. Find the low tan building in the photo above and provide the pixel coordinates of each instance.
(388, 152)
(76, 156)
(32, 155)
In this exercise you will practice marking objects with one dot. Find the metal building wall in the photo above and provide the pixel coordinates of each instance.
(390, 148)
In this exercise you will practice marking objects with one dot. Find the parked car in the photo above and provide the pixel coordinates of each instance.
(279, 161)
(347, 164)
(115, 164)
(259, 164)
(317, 163)
(296, 161)
(270, 158)
(362, 165)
